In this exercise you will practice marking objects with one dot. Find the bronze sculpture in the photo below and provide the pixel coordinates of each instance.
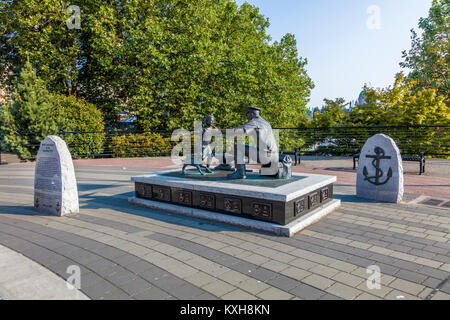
(206, 148)
(265, 153)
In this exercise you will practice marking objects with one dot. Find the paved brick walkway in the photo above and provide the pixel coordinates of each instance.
(128, 252)
(23, 279)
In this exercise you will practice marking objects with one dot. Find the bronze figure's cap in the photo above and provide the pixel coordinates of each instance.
(251, 109)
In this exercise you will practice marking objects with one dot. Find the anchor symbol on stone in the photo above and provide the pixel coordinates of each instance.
(379, 155)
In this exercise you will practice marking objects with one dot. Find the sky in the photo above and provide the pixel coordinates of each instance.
(348, 43)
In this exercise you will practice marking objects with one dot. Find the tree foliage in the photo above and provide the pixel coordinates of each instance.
(396, 111)
(36, 30)
(404, 105)
(429, 56)
(81, 122)
(401, 105)
(170, 61)
(333, 114)
(33, 113)
(26, 120)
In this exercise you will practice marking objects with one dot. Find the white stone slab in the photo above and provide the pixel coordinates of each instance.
(284, 193)
(24, 279)
(380, 170)
(55, 186)
(286, 231)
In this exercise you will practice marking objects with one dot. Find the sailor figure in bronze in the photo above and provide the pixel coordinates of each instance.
(265, 153)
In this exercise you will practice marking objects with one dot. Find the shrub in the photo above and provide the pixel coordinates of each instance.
(144, 144)
(80, 124)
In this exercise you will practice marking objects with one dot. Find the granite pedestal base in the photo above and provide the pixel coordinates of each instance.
(261, 203)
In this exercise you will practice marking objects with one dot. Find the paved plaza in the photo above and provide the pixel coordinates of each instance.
(127, 252)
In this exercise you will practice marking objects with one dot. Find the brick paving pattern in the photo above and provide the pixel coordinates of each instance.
(127, 252)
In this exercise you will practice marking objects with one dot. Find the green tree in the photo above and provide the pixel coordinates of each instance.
(36, 30)
(170, 61)
(173, 61)
(403, 105)
(74, 115)
(429, 56)
(333, 114)
(27, 119)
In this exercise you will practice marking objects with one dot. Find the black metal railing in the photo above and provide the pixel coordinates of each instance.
(433, 141)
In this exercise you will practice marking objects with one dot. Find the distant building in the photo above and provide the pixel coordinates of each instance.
(360, 101)
(362, 98)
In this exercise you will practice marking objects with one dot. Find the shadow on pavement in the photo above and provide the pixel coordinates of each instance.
(351, 198)
(89, 187)
(24, 210)
(119, 202)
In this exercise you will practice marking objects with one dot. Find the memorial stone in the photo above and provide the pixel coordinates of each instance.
(55, 186)
(380, 170)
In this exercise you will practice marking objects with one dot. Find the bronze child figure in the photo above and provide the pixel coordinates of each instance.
(206, 148)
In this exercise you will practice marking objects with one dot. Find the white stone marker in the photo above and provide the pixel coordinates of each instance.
(380, 170)
(55, 186)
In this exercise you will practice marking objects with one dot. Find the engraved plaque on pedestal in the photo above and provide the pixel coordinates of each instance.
(324, 194)
(314, 199)
(183, 197)
(161, 193)
(232, 205)
(207, 201)
(299, 206)
(55, 186)
(262, 210)
(143, 190)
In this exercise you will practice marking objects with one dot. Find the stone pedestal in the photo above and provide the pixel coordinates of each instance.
(380, 170)
(279, 206)
(55, 186)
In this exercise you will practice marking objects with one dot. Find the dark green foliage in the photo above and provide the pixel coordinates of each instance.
(26, 120)
(75, 115)
(169, 61)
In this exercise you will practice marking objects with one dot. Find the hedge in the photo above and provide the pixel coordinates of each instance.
(143, 144)
(76, 115)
